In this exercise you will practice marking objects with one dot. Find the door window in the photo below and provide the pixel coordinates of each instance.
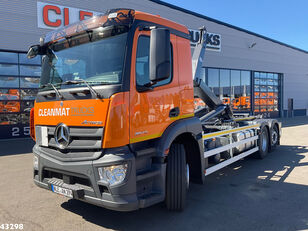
(142, 63)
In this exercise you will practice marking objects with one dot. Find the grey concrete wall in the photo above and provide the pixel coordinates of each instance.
(18, 29)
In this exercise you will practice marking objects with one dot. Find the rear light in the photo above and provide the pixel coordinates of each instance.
(32, 129)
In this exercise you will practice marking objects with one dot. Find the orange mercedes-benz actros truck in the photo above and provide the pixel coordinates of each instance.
(114, 120)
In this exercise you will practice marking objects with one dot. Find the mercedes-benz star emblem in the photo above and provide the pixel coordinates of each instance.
(62, 136)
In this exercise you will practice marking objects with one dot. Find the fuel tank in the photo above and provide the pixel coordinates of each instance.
(241, 136)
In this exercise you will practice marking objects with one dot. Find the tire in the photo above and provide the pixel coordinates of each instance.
(263, 144)
(177, 178)
(274, 137)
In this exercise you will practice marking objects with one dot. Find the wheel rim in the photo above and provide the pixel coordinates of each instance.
(274, 137)
(187, 176)
(264, 142)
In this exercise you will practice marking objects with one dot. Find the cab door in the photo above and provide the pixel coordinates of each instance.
(151, 110)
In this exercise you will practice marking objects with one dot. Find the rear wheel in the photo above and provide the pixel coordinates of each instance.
(274, 137)
(177, 178)
(263, 144)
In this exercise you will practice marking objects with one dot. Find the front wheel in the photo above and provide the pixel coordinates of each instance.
(177, 178)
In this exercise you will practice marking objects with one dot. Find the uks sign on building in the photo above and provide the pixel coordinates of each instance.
(213, 41)
(52, 16)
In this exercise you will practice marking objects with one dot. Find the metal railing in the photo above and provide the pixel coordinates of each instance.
(229, 147)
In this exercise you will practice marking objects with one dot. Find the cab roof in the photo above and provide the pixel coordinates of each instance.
(112, 17)
(161, 21)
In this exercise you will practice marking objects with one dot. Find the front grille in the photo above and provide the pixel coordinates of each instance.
(81, 139)
(85, 143)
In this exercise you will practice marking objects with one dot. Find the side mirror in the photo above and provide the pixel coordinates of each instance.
(160, 59)
(33, 51)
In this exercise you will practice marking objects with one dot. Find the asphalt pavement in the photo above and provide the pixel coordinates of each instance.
(269, 194)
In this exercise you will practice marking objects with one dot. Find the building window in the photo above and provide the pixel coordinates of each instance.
(19, 80)
(24, 60)
(266, 94)
(225, 83)
(28, 94)
(8, 57)
(233, 87)
(8, 69)
(9, 94)
(29, 82)
(213, 80)
(9, 82)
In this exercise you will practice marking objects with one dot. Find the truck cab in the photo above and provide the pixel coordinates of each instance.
(108, 138)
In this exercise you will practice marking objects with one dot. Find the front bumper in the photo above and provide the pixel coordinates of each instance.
(83, 179)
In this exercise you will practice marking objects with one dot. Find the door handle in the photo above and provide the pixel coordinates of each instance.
(174, 112)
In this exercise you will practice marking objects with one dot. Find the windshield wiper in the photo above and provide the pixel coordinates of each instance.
(68, 82)
(56, 90)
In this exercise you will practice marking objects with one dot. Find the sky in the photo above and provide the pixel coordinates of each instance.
(282, 20)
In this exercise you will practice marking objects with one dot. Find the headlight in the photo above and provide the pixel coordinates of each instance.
(35, 162)
(113, 174)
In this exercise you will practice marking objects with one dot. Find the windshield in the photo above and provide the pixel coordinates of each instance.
(92, 57)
